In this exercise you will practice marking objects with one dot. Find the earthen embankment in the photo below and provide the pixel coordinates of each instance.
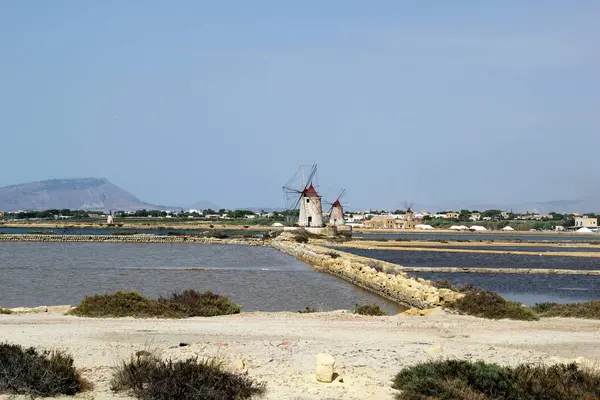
(385, 279)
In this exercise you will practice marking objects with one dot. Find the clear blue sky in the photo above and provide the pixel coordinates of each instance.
(428, 101)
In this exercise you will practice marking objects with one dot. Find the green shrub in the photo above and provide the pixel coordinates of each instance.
(458, 379)
(194, 304)
(5, 311)
(38, 373)
(188, 303)
(369, 309)
(588, 309)
(217, 234)
(491, 305)
(444, 284)
(149, 378)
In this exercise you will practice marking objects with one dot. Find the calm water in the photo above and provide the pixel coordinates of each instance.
(259, 278)
(482, 236)
(528, 289)
(477, 260)
(533, 249)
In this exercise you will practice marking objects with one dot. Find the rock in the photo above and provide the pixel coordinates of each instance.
(325, 364)
(239, 365)
(142, 353)
(435, 350)
(61, 309)
(415, 312)
(584, 363)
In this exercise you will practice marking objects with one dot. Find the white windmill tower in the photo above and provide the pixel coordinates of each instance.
(301, 194)
(336, 211)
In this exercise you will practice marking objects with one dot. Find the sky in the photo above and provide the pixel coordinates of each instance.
(423, 102)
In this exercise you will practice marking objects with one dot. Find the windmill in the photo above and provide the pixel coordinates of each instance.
(300, 194)
(336, 211)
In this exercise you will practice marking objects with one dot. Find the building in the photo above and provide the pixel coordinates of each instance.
(391, 221)
(311, 209)
(586, 222)
(381, 222)
(336, 215)
(475, 217)
(452, 215)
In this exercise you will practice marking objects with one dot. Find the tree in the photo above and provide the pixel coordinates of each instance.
(569, 221)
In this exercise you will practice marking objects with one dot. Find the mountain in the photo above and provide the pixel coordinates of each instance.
(76, 194)
(203, 205)
(583, 205)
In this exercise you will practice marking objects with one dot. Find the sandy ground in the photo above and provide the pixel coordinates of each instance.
(280, 348)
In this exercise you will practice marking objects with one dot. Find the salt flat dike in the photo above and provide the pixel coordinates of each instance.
(385, 279)
(139, 238)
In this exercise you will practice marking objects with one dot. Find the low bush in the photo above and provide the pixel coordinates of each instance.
(5, 311)
(588, 309)
(369, 309)
(217, 234)
(444, 284)
(194, 304)
(149, 378)
(308, 310)
(458, 379)
(301, 239)
(491, 305)
(188, 303)
(333, 254)
(38, 373)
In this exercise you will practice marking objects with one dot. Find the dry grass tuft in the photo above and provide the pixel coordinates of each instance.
(149, 378)
(38, 373)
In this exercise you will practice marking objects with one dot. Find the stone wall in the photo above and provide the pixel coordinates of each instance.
(129, 239)
(385, 279)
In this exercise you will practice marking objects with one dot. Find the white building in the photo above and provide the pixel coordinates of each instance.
(336, 216)
(586, 222)
(311, 209)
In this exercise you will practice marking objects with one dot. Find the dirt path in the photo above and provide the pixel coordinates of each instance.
(280, 348)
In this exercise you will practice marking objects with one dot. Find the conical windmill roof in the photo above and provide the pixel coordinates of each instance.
(336, 204)
(310, 192)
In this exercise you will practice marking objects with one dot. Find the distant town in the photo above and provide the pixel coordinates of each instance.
(471, 220)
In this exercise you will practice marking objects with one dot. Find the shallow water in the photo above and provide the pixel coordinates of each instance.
(532, 249)
(483, 236)
(259, 278)
(442, 259)
(528, 289)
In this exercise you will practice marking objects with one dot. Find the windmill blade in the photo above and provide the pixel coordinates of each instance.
(311, 176)
(330, 209)
(297, 203)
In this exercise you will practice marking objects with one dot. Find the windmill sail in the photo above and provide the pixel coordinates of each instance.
(302, 195)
